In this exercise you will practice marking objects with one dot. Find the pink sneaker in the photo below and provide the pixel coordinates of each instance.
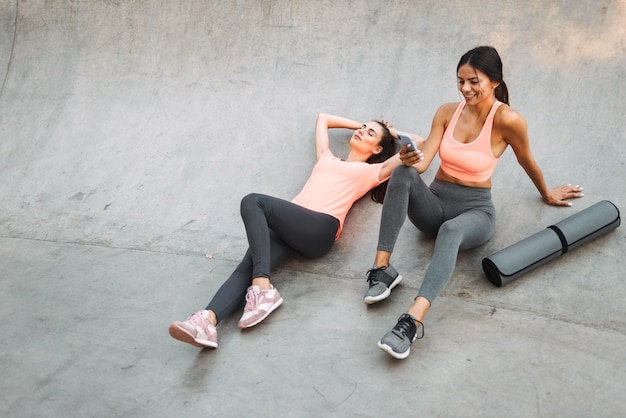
(259, 304)
(196, 330)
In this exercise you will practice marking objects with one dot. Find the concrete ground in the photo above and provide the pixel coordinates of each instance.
(131, 129)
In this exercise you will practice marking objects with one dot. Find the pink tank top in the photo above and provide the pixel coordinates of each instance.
(473, 161)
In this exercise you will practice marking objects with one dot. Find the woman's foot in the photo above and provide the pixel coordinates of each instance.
(397, 342)
(197, 330)
(259, 304)
(381, 280)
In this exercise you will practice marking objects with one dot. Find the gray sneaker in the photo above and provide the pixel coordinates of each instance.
(381, 280)
(397, 342)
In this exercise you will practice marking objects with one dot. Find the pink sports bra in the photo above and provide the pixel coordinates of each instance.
(473, 161)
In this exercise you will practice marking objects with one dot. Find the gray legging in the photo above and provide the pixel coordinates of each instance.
(460, 217)
(276, 229)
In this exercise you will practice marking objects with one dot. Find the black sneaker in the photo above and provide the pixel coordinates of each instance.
(397, 342)
(381, 280)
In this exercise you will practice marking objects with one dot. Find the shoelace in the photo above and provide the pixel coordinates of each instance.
(372, 275)
(196, 318)
(251, 298)
(199, 320)
(405, 324)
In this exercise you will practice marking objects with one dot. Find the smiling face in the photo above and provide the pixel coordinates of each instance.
(474, 85)
(367, 138)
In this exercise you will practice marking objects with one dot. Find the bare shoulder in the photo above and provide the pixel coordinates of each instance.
(445, 112)
(448, 108)
(508, 120)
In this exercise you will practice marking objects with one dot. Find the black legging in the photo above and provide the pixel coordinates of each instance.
(275, 228)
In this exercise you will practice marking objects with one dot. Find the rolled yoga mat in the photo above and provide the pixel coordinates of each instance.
(526, 255)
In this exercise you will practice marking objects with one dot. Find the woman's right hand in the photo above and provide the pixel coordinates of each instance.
(410, 158)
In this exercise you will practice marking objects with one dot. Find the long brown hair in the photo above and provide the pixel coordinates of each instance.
(389, 145)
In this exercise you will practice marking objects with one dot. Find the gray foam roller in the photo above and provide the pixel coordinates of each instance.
(536, 250)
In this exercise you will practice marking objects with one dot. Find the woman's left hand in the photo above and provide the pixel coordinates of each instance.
(389, 126)
(558, 196)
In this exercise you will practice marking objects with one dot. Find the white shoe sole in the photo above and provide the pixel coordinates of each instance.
(388, 350)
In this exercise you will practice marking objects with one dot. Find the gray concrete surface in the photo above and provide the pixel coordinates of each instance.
(130, 130)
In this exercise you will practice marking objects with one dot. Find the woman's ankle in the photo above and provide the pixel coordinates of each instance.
(262, 282)
(382, 259)
(212, 317)
(420, 307)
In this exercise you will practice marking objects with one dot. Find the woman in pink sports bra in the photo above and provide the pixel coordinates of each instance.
(309, 224)
(456, 208)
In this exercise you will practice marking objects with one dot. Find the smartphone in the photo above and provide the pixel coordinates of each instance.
(407, 140)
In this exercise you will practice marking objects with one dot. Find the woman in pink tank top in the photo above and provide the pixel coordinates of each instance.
(456, 208)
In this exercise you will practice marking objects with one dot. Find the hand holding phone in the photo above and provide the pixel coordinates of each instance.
(407, 140)
(408, 161)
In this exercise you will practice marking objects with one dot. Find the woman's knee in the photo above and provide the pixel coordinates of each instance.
(250, 201)
(451, 231)
(464, 236)
(403, 174)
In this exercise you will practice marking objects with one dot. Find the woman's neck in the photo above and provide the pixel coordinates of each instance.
(481, 109)
(482, 106)
(355, 156)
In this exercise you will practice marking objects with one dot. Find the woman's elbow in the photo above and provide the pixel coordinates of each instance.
(322, 116)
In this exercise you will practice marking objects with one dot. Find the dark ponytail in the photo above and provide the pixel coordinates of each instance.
(502, 92)
(389, 145)
(487, 60)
